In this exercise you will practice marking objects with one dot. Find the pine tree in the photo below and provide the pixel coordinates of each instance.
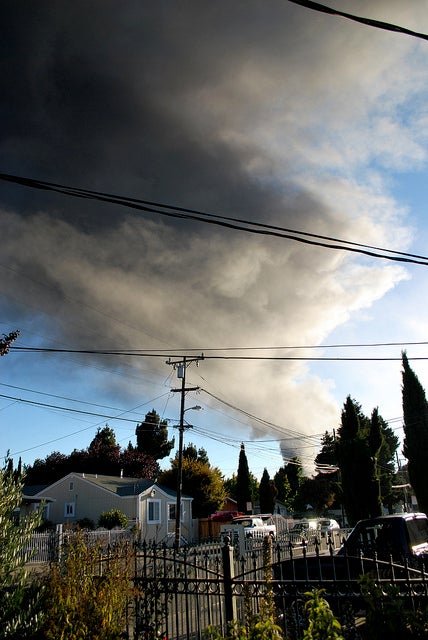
(152, 436)
(415, 412)
(243, 484)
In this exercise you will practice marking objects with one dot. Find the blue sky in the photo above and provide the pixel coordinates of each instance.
(272, 114)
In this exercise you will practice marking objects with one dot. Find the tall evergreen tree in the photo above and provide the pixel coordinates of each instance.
(415, 412)
(243, 484)
(152, 436)
(357, 450)
(267, 493)
(327, 455)
(328, 474)
(375, 441)
(386, 467)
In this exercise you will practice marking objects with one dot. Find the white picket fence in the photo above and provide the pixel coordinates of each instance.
(45, 547)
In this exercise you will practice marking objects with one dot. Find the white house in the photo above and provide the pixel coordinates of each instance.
(79, 496)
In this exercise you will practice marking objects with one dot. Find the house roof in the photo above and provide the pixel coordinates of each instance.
(128, 486)
(32, 489)
(123, 487)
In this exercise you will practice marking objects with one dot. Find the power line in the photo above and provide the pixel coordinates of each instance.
(148, 354)
(239, 224)
(387, 26)
(58, 407)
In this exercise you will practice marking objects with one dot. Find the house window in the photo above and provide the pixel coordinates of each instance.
(69, 510)
(153, 511)
(172, 510)
(45, 512)
(71, 486)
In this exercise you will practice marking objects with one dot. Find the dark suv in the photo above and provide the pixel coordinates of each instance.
(384, 546)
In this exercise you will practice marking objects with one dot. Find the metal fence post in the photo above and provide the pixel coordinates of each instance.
(228, 574)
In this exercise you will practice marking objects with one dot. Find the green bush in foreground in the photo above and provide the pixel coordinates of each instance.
(322, 623)
(81, 605)
(19, 608)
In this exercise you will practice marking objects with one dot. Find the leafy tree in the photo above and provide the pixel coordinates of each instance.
(201, 481)
(105, 438)
(136, 464)
(283, 488)
(267, 493)
(103, 456)
(152, 436)
(52, 468)
(386, 467)
(415, 411)
(19, 610)
(192, 453)
(113, 518)
(287, 481)
(243, 484)
(327, 455)
(6, 341)
(326, 465)
(317, 492)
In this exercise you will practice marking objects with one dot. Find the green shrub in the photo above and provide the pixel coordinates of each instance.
(113, 518)
(322, 623)
(388, 617)
(19, 601)
(86, 523)
(80, 603)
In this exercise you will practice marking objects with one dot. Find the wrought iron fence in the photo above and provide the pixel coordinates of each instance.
(182, 593)
(179, 593)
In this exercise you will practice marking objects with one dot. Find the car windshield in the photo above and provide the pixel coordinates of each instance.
(380, 537)
(418, 531)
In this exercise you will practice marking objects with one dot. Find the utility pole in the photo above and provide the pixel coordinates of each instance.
(181, 366)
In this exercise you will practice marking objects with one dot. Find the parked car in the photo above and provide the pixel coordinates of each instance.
(304, 531)
(225, 516)
(248, 527)
(369, 548)
(328, 525)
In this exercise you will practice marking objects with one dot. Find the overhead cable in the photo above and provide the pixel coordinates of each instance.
(387, 26)
(146, 354)
(239, 224)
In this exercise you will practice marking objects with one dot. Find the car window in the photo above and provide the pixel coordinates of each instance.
(381, 537)
(418, 531)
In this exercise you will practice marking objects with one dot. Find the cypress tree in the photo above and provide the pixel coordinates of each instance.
(243, 482)
(415, 412)
(267, 493)
(357, 449)
(375, 441)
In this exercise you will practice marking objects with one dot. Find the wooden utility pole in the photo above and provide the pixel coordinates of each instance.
(181, 366)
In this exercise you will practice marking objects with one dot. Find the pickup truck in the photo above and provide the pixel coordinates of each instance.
(248, 527)
(373, 545)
